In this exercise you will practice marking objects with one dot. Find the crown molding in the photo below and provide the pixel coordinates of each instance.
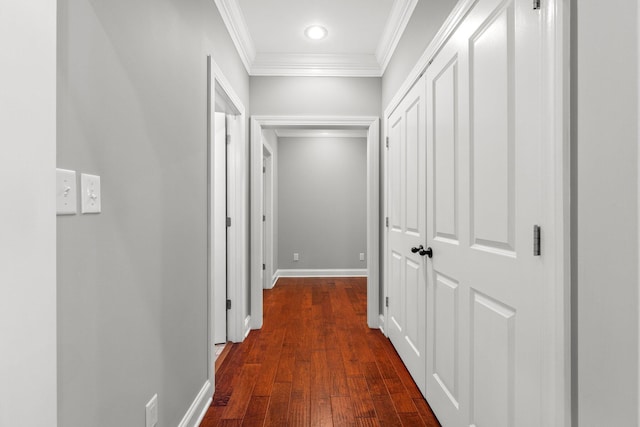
(320, 133)
(274, 64)
(238, 30)
(339, 65)
(393, 30)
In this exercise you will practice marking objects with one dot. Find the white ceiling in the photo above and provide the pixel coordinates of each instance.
(269, 35)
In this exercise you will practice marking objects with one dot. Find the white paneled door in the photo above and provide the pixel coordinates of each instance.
(484, 189)
(407, 231)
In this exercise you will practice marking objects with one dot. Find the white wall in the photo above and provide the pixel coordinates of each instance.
(322, 203)
(132, 280)
(605, 144)
(27, 244)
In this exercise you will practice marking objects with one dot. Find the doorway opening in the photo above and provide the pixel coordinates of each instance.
(260, 275)
(226, 241)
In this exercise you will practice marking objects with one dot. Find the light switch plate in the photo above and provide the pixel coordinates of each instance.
(90, 190)
(66, 192)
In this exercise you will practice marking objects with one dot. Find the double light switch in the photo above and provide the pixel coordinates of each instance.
(67, 194)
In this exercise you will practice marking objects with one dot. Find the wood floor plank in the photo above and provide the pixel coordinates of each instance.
(321, 413)
(360, 397)
(342, 411)
(278, 409)
(256, 411)
(241, 394)
(315, 362)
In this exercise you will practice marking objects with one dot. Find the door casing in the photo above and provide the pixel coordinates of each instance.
(372, 125)
(221, 96)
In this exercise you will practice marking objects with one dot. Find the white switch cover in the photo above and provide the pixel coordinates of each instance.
(296, 256)
(152, 412)
(90, 188)
(66, 192)
(361, 256)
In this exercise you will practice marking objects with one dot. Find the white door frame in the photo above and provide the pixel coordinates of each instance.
(556, 242)
(372, 124)
(220, 91)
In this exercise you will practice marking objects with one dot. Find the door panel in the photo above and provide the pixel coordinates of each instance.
(446, 329)
(492, 141)
(445, 206)
(407, 229)
(493, 336)
(483, 197)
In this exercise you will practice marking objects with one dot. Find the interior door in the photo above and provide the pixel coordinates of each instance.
(265, 201)
(219, 234)
(407, 230)
(484, 196)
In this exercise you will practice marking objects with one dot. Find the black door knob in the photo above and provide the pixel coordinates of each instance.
(418, 249)
(428, 252)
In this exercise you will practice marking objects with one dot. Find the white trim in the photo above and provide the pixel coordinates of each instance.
(320, 133)
(372, 124)
(198, 407)
(556, 128)
(329, 272)
(330, 65)
(335, 65)
(237, 246)
(237, 28)
(382, 325)
(396, 24)
(247, 327)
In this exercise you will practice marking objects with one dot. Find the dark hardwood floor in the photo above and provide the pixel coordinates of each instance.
(316, 363)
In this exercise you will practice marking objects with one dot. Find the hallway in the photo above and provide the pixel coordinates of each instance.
(316, 363)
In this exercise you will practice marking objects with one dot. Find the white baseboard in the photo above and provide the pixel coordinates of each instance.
(381, 325)
(247, 326)
(199, 407)
(322, 273)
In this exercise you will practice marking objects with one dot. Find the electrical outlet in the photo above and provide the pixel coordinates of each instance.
(152, 412)
(296, 256)
(361, 256)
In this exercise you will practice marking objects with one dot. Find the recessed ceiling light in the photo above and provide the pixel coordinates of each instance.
(316, 32)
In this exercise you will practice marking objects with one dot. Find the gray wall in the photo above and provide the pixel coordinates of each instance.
(605, 188)
(132, 281)
(322, 202)
(335, 96)
(426, 20)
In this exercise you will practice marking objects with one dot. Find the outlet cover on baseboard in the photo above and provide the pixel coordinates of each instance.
(152, 412)
(361, 256)
(296, 256)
